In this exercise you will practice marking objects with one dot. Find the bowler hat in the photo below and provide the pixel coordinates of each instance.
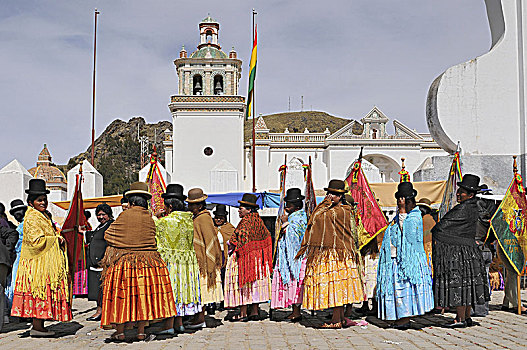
(470, 183)
(174, 191)
(16, 204)
(425, 202)
(37, 186)
(249, 199)
(336, 186)
(293, 194)
(138, 188)
(220, 210)
(196, 195)
(406, 190)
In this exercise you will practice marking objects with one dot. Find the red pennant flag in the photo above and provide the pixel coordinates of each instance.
(372, 217)
(156, 184)
(70, 229)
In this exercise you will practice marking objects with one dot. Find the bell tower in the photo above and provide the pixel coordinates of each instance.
(208, 116)
(208, 70)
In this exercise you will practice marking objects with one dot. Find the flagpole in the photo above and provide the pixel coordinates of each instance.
(93, 91)
(254, 115)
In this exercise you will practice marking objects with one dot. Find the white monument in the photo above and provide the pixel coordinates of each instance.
(92, 185)
(481, 102)
(15, 180)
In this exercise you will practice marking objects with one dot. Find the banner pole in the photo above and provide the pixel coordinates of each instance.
(518, 280)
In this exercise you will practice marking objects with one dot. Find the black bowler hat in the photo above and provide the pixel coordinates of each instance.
(293, 194)
(16, 204)
(406, 190)
(37, 186)
(220, 210)
(249, 199)
(174, 191)
(470, 183)
(336, 186)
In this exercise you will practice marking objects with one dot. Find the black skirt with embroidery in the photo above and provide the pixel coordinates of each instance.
(460, 277)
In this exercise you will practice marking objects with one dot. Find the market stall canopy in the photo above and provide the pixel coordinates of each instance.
(92, 203)
(384, 192)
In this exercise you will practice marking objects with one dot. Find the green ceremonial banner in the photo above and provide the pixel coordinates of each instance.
(509, 224)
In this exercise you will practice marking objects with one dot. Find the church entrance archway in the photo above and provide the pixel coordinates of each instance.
(388, 167)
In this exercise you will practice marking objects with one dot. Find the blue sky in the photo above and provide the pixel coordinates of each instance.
(343, 56)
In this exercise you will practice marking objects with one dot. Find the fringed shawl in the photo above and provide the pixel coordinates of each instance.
(409, 245)
(330, 229)
(253, 249)
(289, 245)
(43, 261)
(133, 237)
(207, 246)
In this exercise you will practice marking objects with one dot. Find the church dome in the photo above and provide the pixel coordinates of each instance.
(208, 19)
(208, 52)
(47, 171)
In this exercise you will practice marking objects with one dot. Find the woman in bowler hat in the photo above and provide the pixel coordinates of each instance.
(460, 278)
(404, 279)
(42, 289)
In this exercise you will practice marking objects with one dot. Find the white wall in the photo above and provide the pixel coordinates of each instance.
(222, 131)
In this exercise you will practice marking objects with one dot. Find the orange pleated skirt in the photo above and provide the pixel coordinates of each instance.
(55, 307)
(136, 290)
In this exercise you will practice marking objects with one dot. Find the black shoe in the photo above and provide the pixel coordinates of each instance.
(98, 318)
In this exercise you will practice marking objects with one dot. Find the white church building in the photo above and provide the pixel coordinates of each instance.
(207, 149)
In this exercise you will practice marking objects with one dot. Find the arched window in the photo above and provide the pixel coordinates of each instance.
(197, 85)
(208, 33)
(218, 84)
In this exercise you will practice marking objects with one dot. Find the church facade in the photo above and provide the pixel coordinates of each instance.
(206, 147)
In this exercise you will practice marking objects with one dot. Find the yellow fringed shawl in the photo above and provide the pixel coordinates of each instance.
(42, 260)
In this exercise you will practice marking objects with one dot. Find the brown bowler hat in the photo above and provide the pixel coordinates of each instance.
(196, 195)
(138, 188)
(249, 199)
(336, 186)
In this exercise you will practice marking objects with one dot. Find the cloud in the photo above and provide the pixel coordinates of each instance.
(342, 56)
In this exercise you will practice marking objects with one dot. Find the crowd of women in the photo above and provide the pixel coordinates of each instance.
(180, 262)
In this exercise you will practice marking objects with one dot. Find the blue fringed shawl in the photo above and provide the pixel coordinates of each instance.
(289, 245)
(409, 244)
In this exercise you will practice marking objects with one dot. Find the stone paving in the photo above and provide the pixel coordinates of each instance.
(499, 330)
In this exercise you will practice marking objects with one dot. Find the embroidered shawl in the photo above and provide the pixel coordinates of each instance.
(289, 245)
(330, 229)
(207, 246)
(410, 249)
(43, 260)
(253, 247)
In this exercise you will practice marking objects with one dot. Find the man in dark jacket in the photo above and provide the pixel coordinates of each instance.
(8, 239)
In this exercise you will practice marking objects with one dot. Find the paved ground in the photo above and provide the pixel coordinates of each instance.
(500, 330)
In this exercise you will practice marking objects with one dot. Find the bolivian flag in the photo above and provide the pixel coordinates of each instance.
(252, 76)
(509, 224)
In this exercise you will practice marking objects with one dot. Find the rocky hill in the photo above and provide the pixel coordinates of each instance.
(118, 154)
